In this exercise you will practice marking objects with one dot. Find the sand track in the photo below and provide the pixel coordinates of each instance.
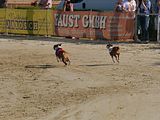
(33, 86)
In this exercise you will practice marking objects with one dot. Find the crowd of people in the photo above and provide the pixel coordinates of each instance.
(125, 6)
(143, 8)
(47, 4)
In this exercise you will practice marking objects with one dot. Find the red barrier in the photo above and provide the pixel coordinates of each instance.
(96, 25)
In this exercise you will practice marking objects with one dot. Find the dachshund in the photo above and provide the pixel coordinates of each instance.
(61, 54)
(114, 51)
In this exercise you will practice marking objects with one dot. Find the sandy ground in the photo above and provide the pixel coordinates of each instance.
(34, 86)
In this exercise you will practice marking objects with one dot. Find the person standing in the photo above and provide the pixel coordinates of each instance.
(129, 5)
(45, 4)
(126, 5)
(133, 5)
(157, 6)
(144, 10)
(119, 6)
(68, 6)
(157, 17)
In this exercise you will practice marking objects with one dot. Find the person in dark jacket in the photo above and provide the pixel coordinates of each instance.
(144, 9)
(68, 6)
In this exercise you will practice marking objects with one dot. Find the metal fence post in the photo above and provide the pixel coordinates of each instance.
(158, 29)
(5, 22)
(135, 30)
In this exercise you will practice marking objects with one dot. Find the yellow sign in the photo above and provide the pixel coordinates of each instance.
(2, 20)
(33, 22)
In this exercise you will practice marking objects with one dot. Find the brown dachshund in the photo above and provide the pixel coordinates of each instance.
(114, 51)
(61, 54)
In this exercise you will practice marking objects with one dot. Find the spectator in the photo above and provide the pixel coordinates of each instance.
(144, 10)
(68, 6)
(133, 5)
(119, 6)
(157, 6)
(34, 3)
(129, 5)
(45, 4)
(126, 5)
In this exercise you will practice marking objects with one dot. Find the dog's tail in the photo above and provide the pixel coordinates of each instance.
(65, 52)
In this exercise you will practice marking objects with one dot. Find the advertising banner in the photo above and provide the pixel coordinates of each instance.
(38, 22)
(96, 25)
(2, 20)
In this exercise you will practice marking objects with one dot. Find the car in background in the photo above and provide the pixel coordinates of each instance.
(92, 5)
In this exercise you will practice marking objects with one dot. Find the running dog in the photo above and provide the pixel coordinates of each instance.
(61, 54)
(114, 51)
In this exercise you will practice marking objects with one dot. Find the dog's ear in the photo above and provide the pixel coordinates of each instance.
(55, 46)
(60, 44)
(109, 45)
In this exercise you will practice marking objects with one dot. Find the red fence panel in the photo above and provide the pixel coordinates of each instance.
(96, 25)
